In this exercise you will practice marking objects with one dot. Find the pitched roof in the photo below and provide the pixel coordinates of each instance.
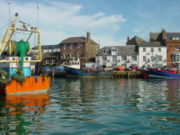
(47, 47)
(154, 36)
(128, 50)
(135, 40)
(76, 40)
(151, 44)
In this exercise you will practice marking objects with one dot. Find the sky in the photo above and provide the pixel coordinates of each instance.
(110, 22)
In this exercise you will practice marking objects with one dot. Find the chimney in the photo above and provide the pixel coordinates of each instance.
(163, 34)
(128, 38)
(88, 37)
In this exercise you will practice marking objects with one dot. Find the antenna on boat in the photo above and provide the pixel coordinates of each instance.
(38, 12)
(9, 11)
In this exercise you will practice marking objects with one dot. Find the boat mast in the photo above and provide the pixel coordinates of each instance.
(6, 40)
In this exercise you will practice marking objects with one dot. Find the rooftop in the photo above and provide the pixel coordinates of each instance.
(128, 50)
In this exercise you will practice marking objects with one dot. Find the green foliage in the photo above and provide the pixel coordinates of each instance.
(18, 77)
(4, 77)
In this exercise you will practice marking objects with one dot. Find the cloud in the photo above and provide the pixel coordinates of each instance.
(59, 20)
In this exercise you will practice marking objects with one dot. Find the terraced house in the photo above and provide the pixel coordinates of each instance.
(112, 56)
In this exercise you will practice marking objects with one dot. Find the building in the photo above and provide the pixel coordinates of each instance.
(113, 56)
(79, 47)
(172, 41)
(50, 54)
(134, 41)
(152, 54)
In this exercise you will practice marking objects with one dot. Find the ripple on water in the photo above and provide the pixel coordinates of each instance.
(95, 106)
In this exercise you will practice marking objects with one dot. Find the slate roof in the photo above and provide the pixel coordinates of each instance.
(171, 35)
(76, 40)
(135, 40)
(48, 47)
(151, 44)
(128, 50)
(155, 36)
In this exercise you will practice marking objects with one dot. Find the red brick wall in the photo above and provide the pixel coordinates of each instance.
(74, 50)
(172, 46)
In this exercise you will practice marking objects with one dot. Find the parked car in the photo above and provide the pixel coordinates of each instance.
(119, 68)
(133, 68)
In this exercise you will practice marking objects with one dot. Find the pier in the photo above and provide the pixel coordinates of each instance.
(127, 74)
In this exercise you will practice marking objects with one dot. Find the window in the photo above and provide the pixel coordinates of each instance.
(71, 46)
(79, 46)
(134, 58)
(160, 58)
(144, 58)
(114, 50)
(64, 46)
(152, 49)
(144, 49)
(114, 58)
(152, 58)
(104, 58)
(177, 58)
(159, 49)
(124, 58)
(64, 55)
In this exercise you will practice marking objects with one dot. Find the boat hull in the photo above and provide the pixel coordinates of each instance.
(72, 72)
(29, 85)
(156, 73)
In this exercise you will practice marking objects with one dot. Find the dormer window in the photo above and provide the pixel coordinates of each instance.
(114, 50)
(152, 49)
(175, 38)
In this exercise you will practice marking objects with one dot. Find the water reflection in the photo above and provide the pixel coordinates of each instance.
(20, 113)
(76, 98)
(96, 106)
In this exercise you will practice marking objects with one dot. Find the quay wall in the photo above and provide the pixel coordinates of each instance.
(127, 74)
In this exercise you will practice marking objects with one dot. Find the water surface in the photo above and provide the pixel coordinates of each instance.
(95, 107)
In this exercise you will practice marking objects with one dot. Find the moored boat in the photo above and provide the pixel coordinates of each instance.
(15, 72)
(73, 69)
(160, 73)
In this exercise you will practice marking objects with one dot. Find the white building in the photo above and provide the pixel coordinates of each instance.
(113, 56)
(152, 54)
(149, 54)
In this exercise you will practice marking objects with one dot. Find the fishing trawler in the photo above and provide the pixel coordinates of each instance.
(73, 69)
(15, 62)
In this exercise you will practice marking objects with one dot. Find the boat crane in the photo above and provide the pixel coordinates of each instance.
(8, 44)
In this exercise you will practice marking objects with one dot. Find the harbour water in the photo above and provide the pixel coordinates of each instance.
(95, 107)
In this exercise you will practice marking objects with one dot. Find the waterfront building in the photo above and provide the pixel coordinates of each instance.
(79, 47)
(112, 56)
(172, 41)
(152, 54)
(50, 53)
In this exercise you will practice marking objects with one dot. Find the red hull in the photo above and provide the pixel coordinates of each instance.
(30, 84)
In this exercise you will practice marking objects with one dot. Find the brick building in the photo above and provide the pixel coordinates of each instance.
(172, 41)
(79, 47)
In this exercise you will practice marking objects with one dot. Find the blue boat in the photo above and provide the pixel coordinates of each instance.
(73, 69)
(158, 73)
(74, 72)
